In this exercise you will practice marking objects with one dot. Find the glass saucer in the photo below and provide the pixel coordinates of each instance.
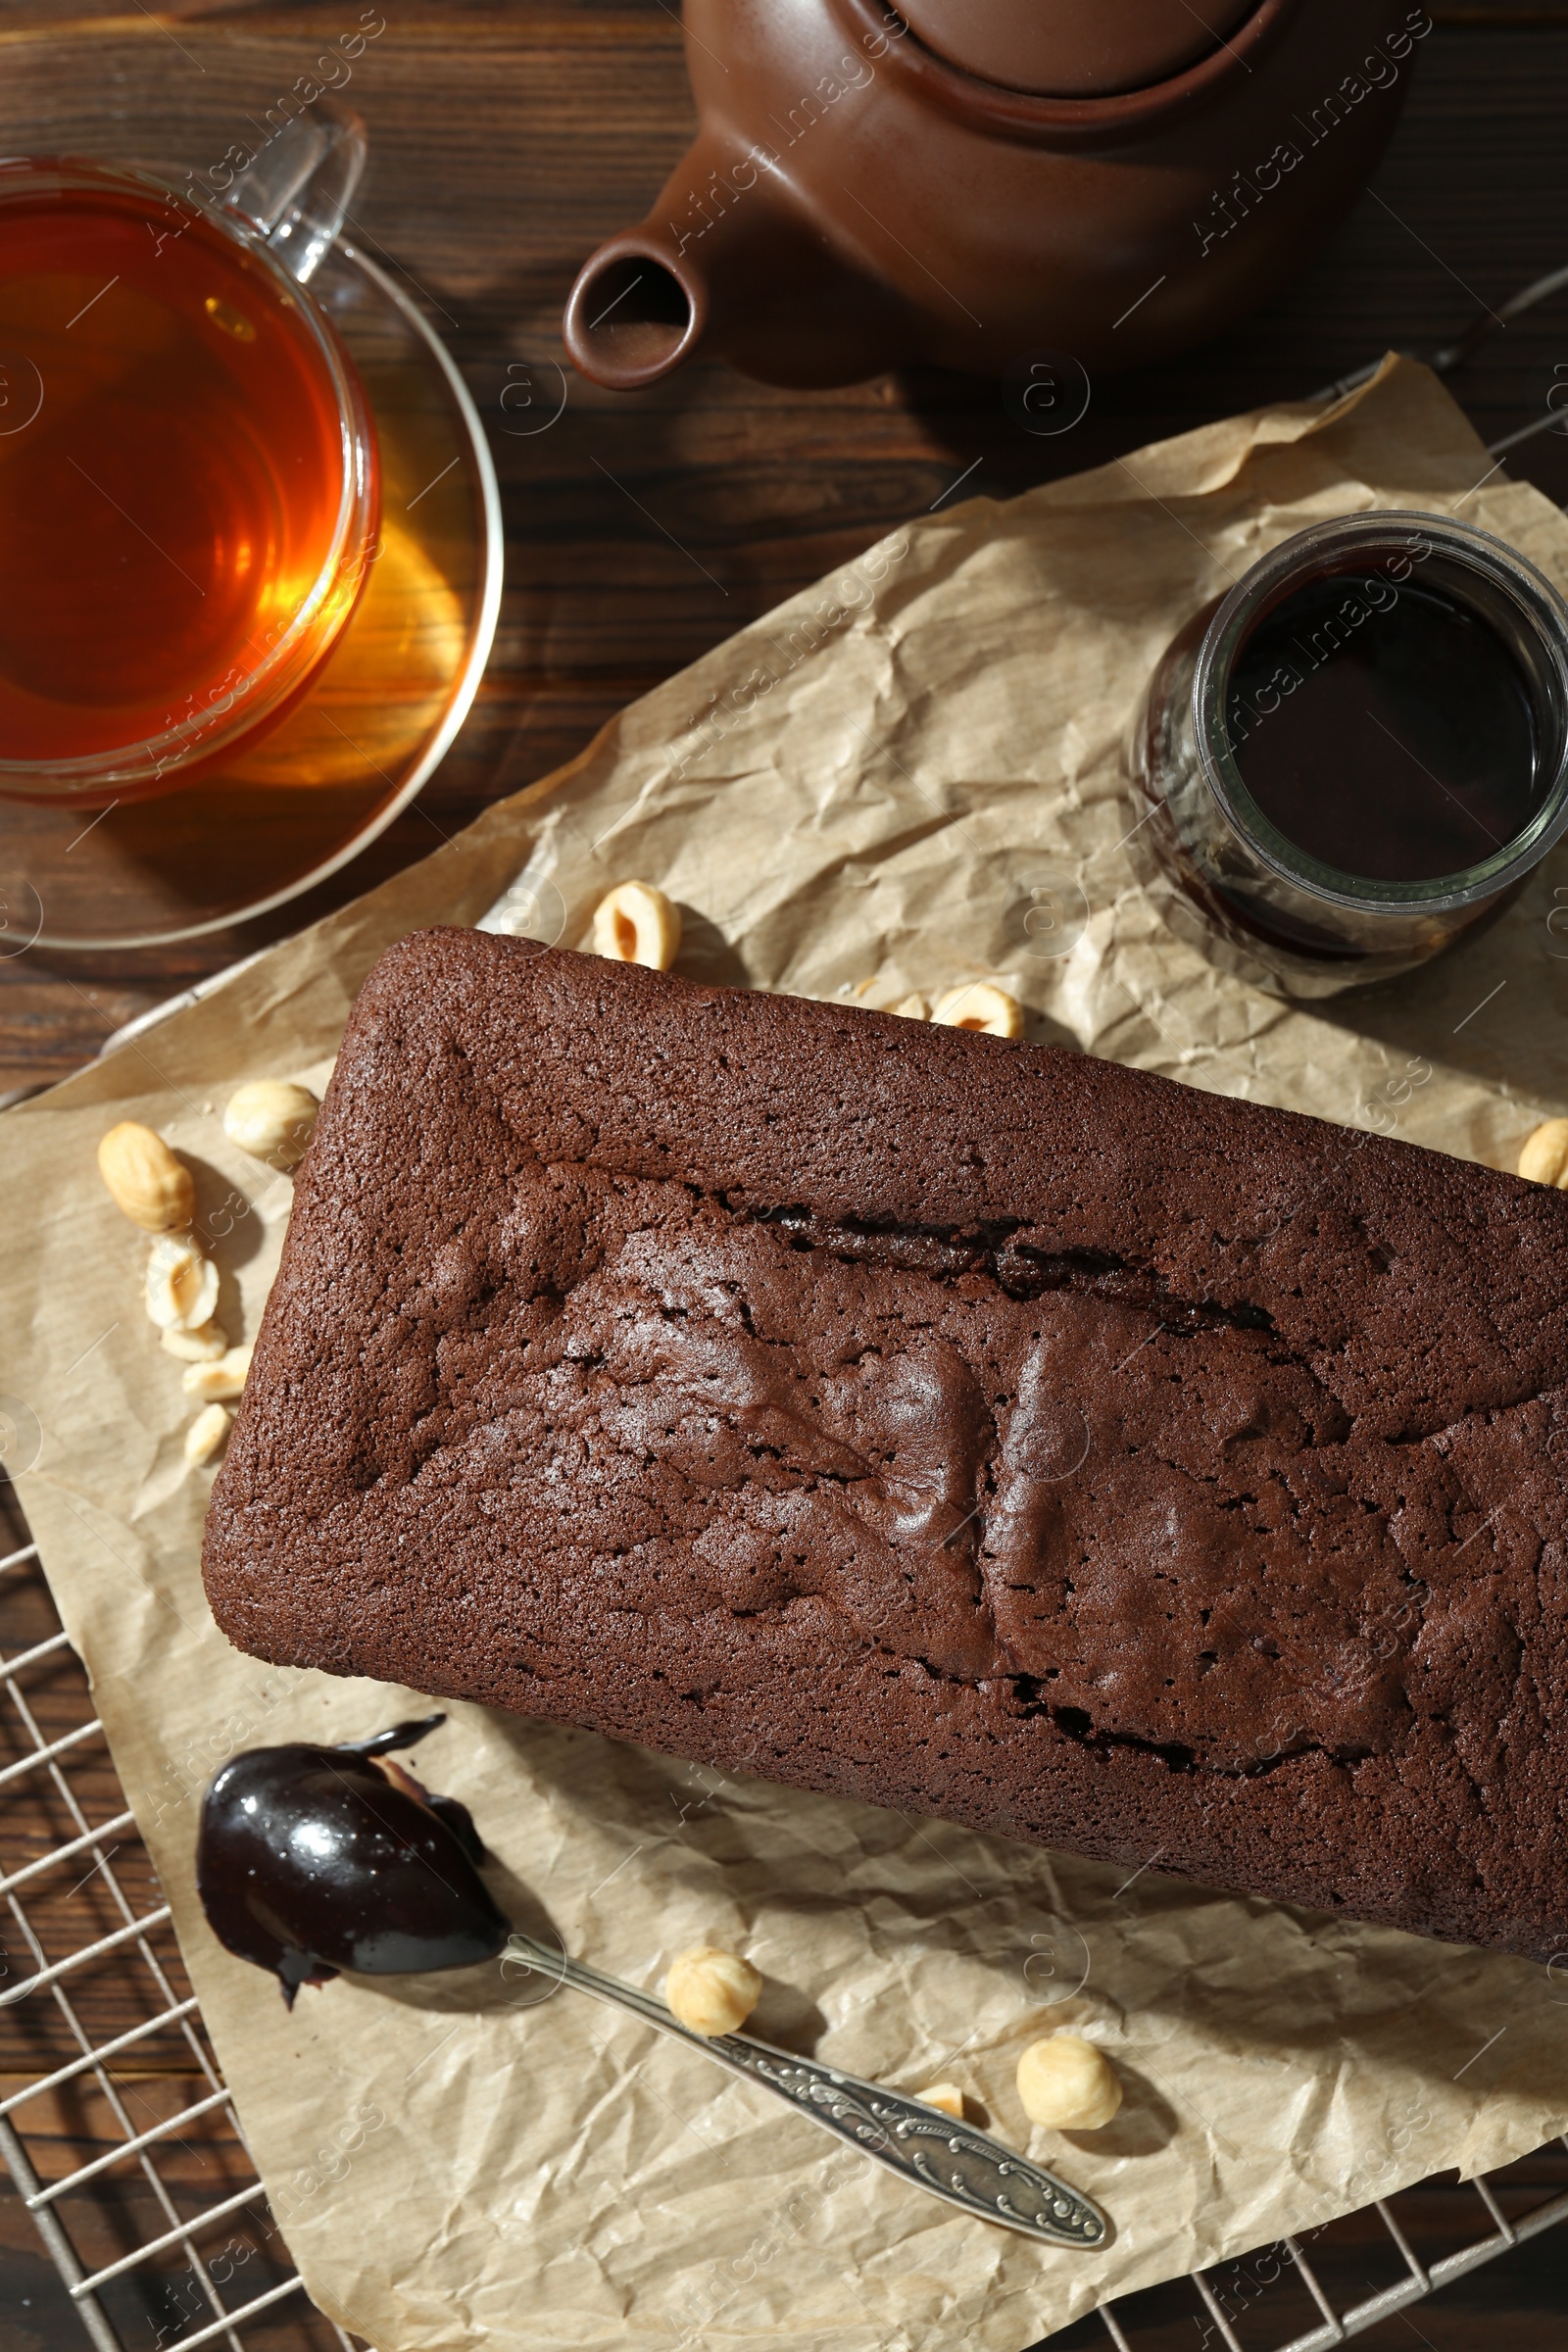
(382, 710)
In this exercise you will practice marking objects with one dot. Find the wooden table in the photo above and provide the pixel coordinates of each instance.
(507, 137)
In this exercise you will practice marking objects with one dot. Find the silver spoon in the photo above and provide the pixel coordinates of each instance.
(925, 2148)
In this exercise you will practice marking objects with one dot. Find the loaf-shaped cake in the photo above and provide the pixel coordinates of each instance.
(970, 1427)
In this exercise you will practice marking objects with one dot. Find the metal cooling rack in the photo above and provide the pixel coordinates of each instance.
(162, 2288)
(1229, 2295)
(133, 2244)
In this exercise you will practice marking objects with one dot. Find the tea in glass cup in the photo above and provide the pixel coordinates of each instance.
(189, 484)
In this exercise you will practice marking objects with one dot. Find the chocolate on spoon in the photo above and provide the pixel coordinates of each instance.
(316, 1859)
(311, 1860)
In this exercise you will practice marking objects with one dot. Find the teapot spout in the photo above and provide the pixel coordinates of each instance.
(731, 262)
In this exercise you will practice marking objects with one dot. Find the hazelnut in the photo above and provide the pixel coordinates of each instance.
(272, 1120)
(1068, 2082)
(980, 1005)
(205, 1433)
(181, 1286)
(225, 1377)
(947, 2097)
(713, 1992)
(635, 923)
(146, 1182)
(1544, 1156)
(201, 1347)
(914, 1008)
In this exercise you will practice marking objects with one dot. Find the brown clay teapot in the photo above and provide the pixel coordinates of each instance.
(967, 182)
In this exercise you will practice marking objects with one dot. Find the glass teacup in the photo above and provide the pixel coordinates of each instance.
(188, 476)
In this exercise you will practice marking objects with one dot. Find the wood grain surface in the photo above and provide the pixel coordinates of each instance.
(507, 139)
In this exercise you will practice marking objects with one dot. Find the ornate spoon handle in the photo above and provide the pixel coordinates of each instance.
(923, 2147)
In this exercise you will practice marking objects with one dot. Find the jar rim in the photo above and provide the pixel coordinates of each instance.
(1466, 544)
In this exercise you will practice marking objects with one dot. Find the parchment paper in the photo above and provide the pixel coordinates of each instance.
(905, 778)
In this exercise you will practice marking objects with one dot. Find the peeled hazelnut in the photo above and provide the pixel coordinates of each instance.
(223, 1378)
(945, 2096)
(713, 1992)
(201, 1347)
(1544, 1157)
(205, 1433)
(1068, 2082)
(635, 923)
(181, 1288)
(980, 1005)
(145, 1181)
(914, 1008)
(272, 1120)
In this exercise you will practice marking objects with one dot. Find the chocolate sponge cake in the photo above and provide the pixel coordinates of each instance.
(978, 1428)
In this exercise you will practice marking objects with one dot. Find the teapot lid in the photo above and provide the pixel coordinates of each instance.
(1074, 48)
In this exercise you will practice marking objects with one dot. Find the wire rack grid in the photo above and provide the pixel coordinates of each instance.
(136, 2267)
(162, 2285)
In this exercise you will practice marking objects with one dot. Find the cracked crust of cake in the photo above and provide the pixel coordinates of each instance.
(955, 1424)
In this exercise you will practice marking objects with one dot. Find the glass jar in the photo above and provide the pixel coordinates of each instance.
(1226, 874)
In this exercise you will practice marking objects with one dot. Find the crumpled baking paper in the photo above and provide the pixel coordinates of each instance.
(907, 777)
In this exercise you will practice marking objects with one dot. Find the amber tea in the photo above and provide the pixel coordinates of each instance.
(183, 491)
